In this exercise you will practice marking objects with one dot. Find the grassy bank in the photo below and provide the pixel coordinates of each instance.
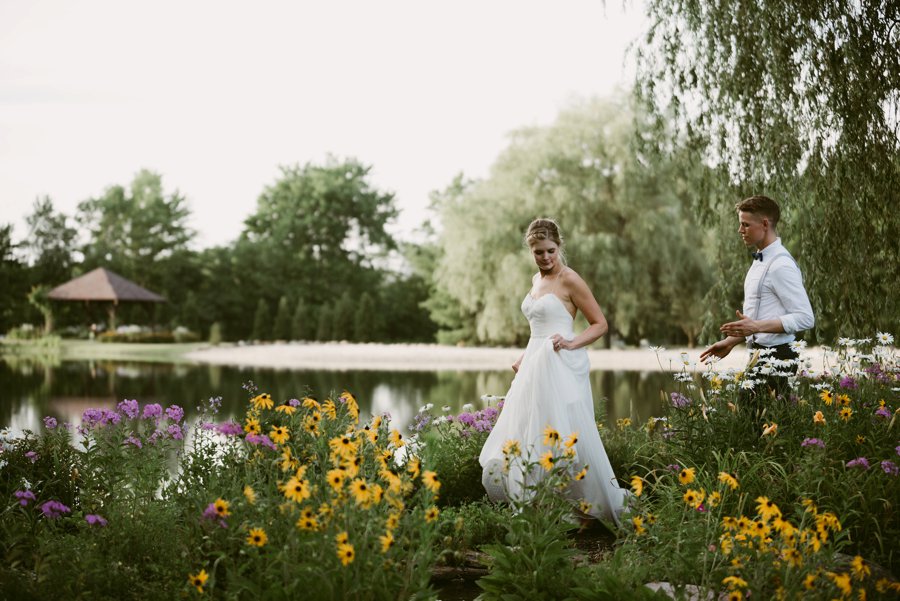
(84, 350)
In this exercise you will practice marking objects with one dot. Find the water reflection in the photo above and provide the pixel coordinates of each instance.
(31, 389)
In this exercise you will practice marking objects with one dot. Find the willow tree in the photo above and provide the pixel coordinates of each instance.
(625, 230)
(797, 100)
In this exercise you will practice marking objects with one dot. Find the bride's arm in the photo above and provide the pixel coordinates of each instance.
(584, 301)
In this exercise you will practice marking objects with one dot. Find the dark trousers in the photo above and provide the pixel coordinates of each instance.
(778, 384)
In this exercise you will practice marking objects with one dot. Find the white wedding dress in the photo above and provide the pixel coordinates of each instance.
(551, 389)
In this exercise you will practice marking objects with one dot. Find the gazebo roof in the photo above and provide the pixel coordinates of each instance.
(103, 285)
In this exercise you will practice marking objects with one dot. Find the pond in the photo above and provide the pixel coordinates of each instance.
(30, 389)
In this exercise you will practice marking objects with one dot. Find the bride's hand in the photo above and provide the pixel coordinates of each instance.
(559, 343)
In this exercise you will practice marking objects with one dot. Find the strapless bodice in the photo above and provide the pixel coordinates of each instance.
(547, 316)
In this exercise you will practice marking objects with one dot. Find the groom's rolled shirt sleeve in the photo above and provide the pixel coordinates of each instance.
(788, 283)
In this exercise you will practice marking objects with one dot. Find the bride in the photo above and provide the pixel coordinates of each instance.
(551, 388)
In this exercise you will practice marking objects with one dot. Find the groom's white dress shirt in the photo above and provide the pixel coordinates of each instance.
(773, 289)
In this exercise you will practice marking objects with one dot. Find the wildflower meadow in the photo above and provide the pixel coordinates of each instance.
(735, 493)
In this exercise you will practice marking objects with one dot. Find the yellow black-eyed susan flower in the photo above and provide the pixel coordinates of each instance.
(262, 401)
(297, 489)
(638, 523)
(511, 448)
(393, 520)
(637, 485)
(551, 436)
(729, 480)
(222, 508)
(346, 554)
(413, 466)
(842, 582)
(859, 568)
(582, 473)
(733, 582)
(280, 434)
(431, 514)
(686, 475)
(846, 413)
(329, 409)
(360, 490)
(826, 397)
(308, 523)
(767, 509)
(714, 498)
(694, 498)
(571, 440)
(310, 403)
(336, 478)
(430, 480)
(250, 494)
(387, 541)
(257, 537)
(198, 580)
(251, 426)
(546, 461)
(396, 438)
(809, 582)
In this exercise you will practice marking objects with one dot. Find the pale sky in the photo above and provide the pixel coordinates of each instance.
(216, 95)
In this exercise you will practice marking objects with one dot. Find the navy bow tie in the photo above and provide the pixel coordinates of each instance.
(757, 255)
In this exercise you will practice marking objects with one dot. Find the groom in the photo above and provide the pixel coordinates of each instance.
(775, 301)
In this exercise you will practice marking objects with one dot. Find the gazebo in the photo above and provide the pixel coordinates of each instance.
(103, 286)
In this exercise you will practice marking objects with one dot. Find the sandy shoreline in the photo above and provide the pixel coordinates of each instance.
(340, 356)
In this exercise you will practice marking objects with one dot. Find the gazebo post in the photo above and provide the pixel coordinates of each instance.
(112, 316)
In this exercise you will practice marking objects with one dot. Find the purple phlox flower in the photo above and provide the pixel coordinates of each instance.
(450, 419)
(249, 386)
(859, 462)
(808, 442)
(153, 411)
(490, 413)
(49, 422)
(421, 420)
(466, 419)
(214, 403)
(95, 520)
(175, 432)
(134, 440)
(897, 448)
(679, 400)
(175, 413)
(848, 382)
(230, 429)
(157, 434)
(261, 439)
(674, 467)
(294, 402)
(500, 404)
(98, 417)
(883, 412)
(54, 509)
(131, 408)
(701, 508)
(890, 467)
(32, 456)
(24, 497)
(481, 425)
(208, 426)
(211, 514)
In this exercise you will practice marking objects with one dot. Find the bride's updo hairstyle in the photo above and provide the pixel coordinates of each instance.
(544, 229)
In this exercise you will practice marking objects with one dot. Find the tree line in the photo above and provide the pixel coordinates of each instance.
(312, 261)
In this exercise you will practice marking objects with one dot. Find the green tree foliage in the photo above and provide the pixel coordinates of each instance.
(319, 229)
(798, 101)
(627, 233)
(326, 323)
(14, 278)
(364, 319)
(135, 231)
(262, 321)
(302, 324)
(282, 328)
(343, 327)
(50, 244)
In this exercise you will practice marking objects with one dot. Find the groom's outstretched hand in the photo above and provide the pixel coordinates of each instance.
(719, 349)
